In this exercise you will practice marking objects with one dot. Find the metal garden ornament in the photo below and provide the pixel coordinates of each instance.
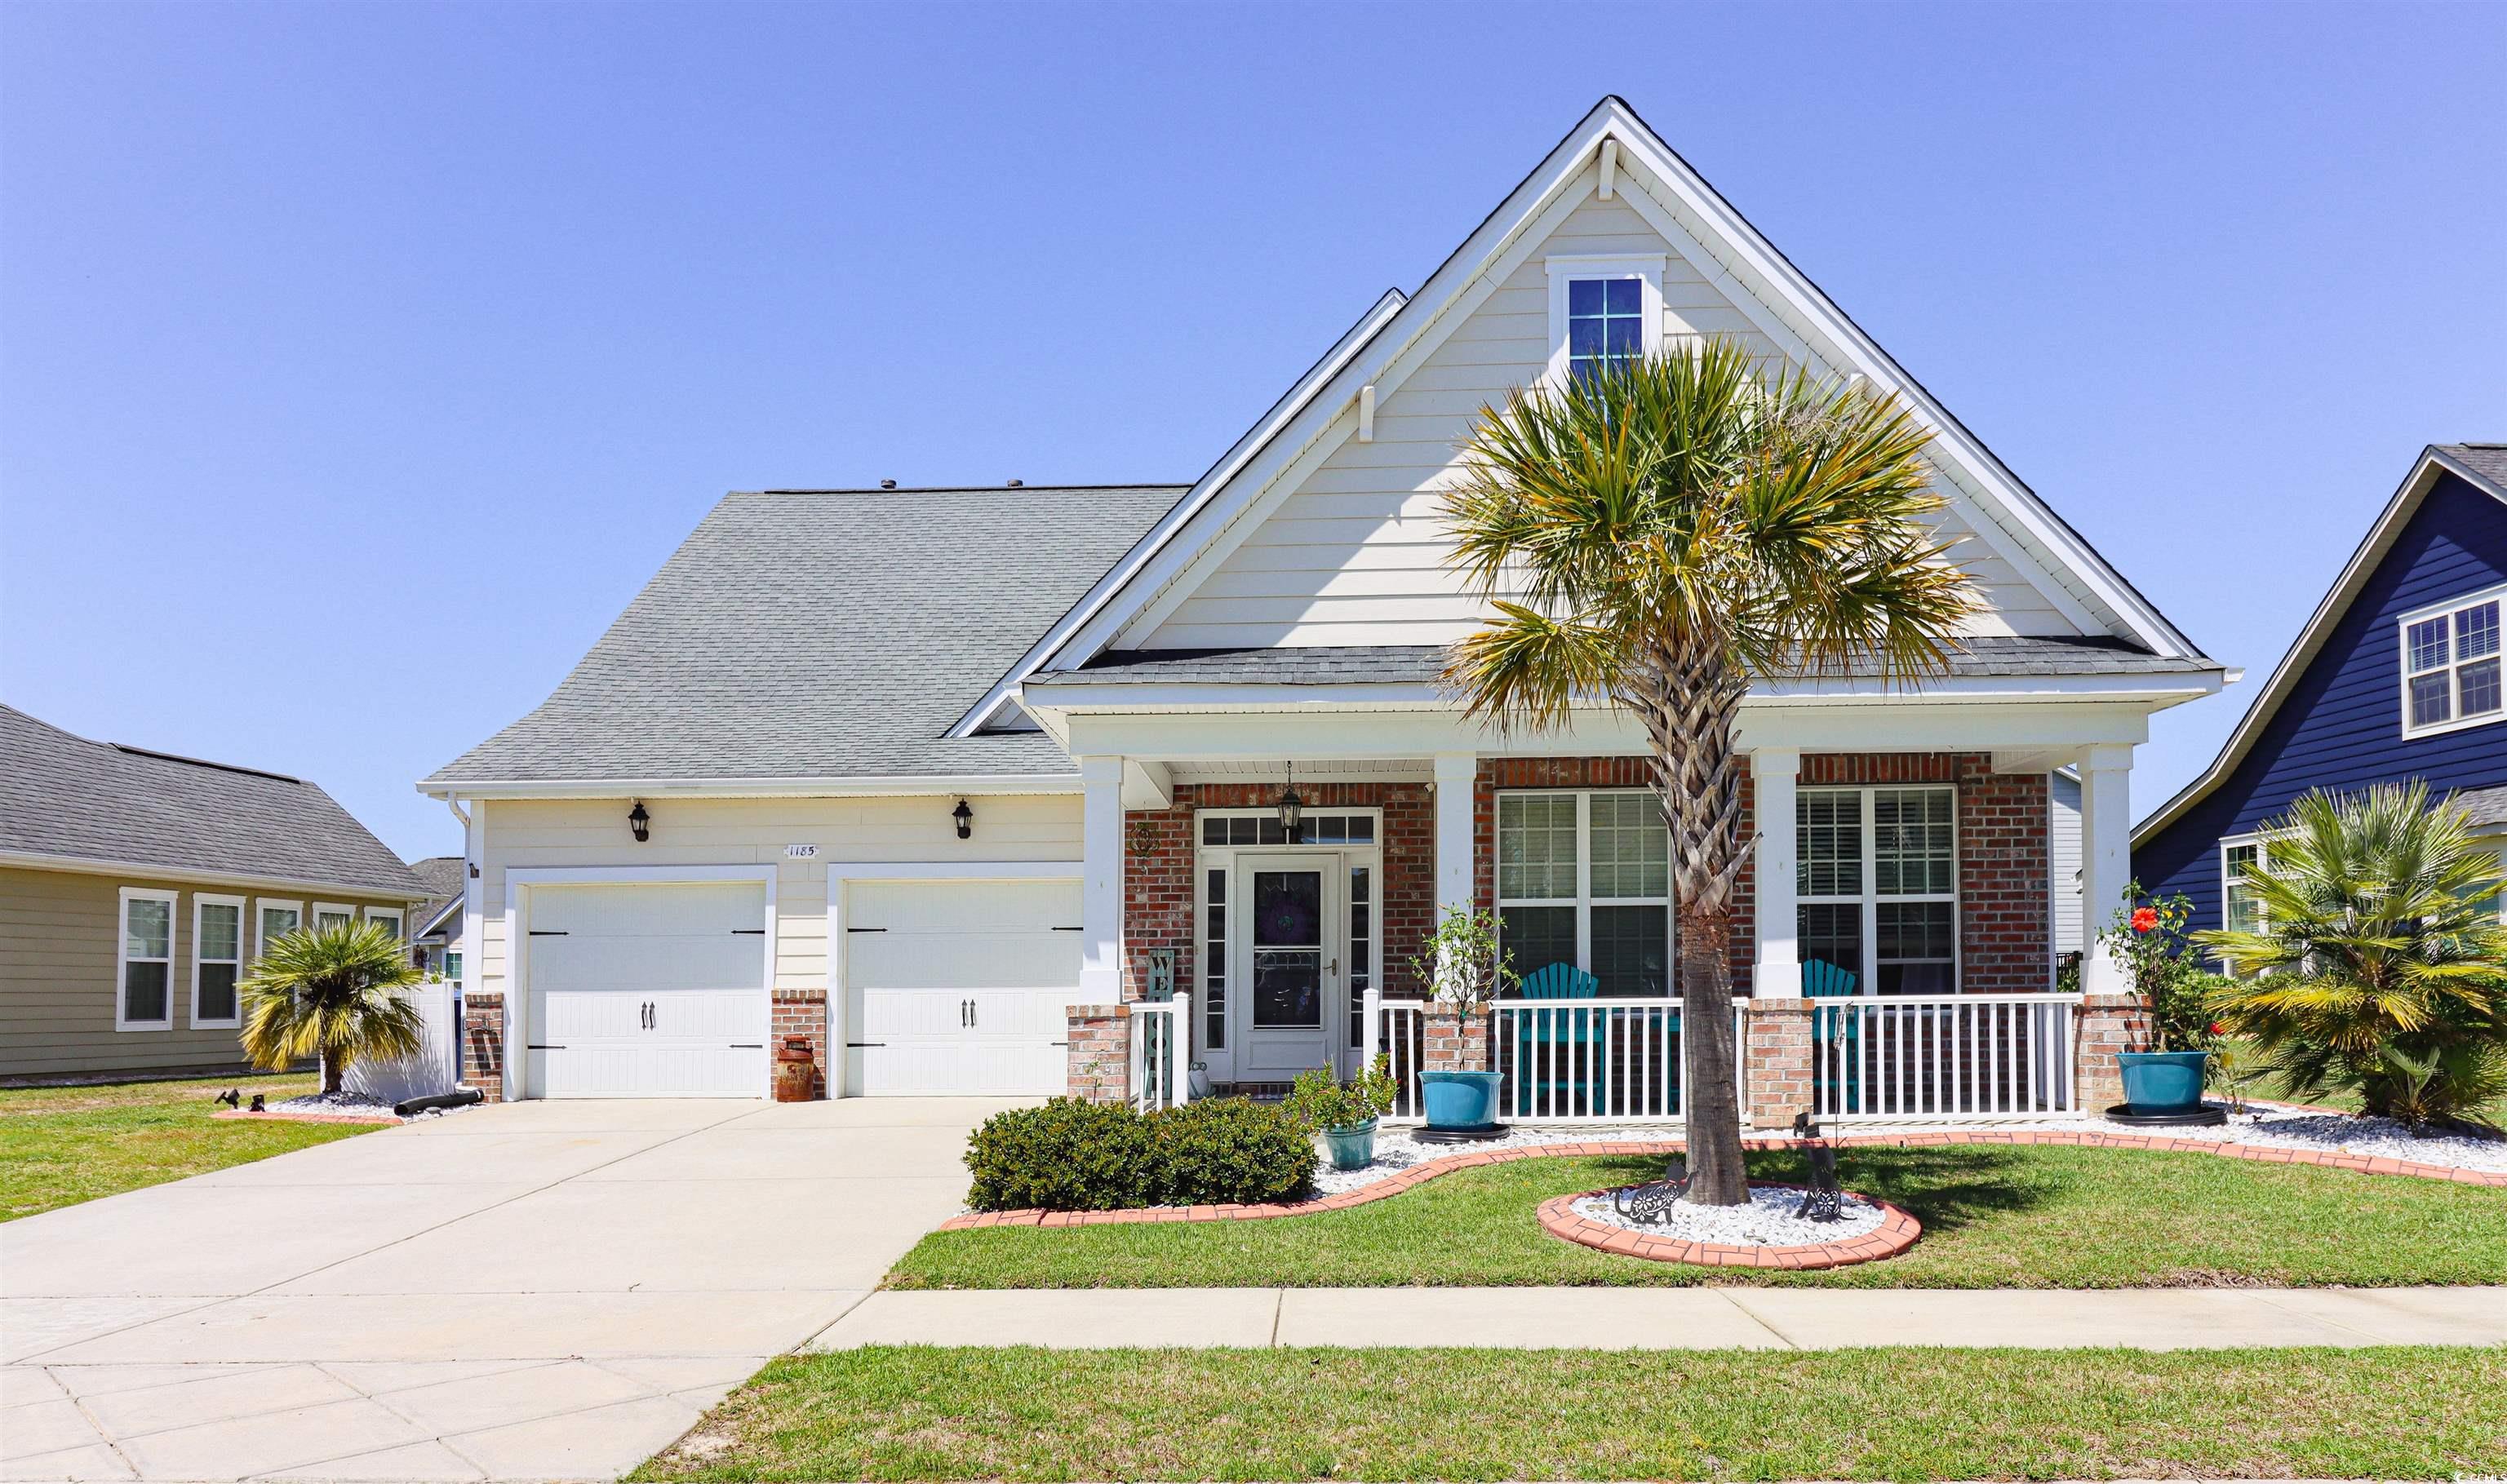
(1819, 1202)
(1650, 1204)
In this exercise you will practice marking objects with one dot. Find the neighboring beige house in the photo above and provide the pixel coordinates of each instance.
(136, 887)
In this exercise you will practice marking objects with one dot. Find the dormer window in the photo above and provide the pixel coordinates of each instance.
(2450, 666)
(1602, 310)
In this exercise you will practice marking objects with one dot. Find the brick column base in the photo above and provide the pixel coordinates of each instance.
(803, 1013)
(1099, 1039)
(1449, 1044)
(2108, 1023)
(483, 1044)
(1777, 1062)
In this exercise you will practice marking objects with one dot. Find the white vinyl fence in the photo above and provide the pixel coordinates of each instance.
(1950, 1058)
(1161, 1052)
(1564, 1061)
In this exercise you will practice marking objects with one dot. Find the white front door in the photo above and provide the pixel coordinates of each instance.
(648, 991)
(960, 987)
(1289, 1015)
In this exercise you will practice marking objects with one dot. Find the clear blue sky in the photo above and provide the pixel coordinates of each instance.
(358, 362)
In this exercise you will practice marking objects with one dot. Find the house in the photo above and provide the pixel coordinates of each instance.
(435, 927)
(956, 787)
(136, 887)
(2395, 676)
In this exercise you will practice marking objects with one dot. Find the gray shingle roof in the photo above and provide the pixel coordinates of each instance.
(1419, 664)
(2488, 460)
(826, 633)
(61, 794)
(2486, 807)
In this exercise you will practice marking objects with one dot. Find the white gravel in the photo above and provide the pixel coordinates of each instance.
(2283, 1128)
(1396, 1150)
(348, 1103)
(1769, 1220)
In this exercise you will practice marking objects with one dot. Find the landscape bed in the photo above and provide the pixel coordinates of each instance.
(924, 1413)
(1993, 1216)
(60, 1146)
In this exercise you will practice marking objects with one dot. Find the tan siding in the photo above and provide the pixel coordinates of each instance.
(593, 832)
(58, 939)
(1355, 553)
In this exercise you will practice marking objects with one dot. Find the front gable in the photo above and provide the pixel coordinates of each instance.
(1347, 548)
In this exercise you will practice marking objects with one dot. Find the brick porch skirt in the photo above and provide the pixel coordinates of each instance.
(1419, 1174)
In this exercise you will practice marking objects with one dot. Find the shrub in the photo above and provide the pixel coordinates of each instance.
(1070, 1155)
(1318, 1102)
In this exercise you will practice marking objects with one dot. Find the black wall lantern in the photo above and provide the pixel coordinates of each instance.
(966, 818)
(640, 822)
(1292, 808)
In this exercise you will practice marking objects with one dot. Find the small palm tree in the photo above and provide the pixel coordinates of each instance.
(2379, 964)
(1655, 535)
(332, 992)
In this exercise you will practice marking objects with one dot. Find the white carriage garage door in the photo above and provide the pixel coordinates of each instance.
(647, 991)
(960, 987)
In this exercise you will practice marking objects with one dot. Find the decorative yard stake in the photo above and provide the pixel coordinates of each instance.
(1650, 1204)
(1819, 1203)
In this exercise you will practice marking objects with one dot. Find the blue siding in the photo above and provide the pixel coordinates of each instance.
(2342, 725)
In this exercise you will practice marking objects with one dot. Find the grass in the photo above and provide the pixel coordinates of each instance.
(921, 1413)
(2023, 1217)
(60, 1146)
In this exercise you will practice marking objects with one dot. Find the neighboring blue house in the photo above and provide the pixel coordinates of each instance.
(2396, 676)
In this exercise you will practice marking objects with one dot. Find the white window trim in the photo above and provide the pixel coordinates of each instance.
(1584, 901)
(399, 921)
(2455, 720)
(313, 917)
(2258, 839)
(201, 903)
(1869, 899)
(122, 960)
(1567, 267)
(261, 930)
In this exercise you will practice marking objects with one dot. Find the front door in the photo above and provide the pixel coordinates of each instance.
(1288, 1017)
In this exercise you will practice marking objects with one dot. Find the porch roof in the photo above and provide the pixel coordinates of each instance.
(1984, 657)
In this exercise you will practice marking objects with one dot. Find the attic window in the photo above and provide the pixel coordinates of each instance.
(2450, 666)
(1602, 310)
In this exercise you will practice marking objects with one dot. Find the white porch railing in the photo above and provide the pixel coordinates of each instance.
(1950, 1058)
(1161, 1053)
(1565, 1062)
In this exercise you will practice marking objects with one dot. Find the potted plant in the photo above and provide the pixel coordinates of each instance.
(1466, 971)
(2166, 1078)
(1344, 1113)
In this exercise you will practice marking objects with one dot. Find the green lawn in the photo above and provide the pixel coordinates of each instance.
(60, 1146)
(919, 1413)
(1994, 1217)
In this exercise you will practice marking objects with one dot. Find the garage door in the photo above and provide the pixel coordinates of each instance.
(648, 991)
(960, 986)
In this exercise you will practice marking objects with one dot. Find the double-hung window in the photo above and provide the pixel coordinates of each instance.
(1877, 884)
(1584, 880)
(2240, 911)
(2450, 676)
(144, 971)
(384, 917)
(276, 920)
(217, 960)
(330, 914)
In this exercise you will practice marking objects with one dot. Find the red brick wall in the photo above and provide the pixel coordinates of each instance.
(803, 1013)
(1098, 1048)
(483, 1044)
(1159, 849)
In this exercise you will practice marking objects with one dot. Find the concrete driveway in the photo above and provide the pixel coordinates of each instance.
(531, 1291)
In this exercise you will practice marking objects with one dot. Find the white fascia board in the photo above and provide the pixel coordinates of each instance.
(2155, 692)
(1152, 552)
(758, 789)
(2319, 626)
(85, 865)
(1644, 150)
(437, 920)
(1193, 737)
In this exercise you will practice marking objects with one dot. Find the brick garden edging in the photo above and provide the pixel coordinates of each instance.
(1896, 1233)
(1417, 1175)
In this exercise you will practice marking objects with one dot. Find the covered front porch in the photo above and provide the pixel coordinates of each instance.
(1893, 960)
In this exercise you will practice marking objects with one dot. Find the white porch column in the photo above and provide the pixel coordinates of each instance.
(1456, 772)
(1777, 974)
(1101, 882)
(2106, 860)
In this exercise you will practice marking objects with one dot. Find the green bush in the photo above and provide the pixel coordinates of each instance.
(1070, 1155)
(1319, 1101)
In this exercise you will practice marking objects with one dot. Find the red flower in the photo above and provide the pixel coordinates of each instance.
(2218, 1029)
(2145, 918)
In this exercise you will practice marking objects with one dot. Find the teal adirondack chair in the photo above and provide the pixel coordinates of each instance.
(1544, 1043)
(1836, 1032)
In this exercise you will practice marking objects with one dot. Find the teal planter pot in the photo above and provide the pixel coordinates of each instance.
(1351, 1146)
(2163, 1081)
(1465, 1101)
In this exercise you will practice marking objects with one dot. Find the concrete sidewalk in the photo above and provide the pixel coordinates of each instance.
(1677, 1318)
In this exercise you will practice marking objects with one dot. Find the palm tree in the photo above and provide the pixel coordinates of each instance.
(1657, 533)
(2378, 965)
(332, 992)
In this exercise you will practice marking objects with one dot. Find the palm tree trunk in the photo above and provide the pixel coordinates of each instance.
(1710, 1093)
(333, 1071)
